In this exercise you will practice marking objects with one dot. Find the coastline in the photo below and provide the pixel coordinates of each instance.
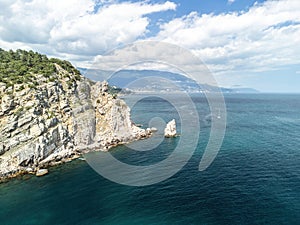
(65, 159)
(53, 117)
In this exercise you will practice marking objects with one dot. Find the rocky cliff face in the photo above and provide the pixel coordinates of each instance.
(57, 120)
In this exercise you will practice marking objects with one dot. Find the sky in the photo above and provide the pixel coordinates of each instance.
(244, 43)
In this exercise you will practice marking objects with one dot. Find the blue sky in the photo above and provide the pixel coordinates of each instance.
(243, 42)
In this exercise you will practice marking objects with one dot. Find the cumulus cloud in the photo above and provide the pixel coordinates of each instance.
(67, 28)
(154, 55)
(263, 38)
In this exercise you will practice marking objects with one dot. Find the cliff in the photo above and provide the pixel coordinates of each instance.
(55, 116)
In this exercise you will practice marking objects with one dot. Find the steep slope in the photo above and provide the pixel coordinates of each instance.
(48, 116)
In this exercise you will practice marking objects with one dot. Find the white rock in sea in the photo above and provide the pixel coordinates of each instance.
(170, 130)
(153, 129)
(41, 172)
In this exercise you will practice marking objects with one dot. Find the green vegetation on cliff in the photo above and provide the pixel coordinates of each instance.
(50, 113)
(20, 66)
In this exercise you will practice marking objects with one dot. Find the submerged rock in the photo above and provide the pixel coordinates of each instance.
(170, 130)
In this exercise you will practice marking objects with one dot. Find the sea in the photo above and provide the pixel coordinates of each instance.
(254, 178)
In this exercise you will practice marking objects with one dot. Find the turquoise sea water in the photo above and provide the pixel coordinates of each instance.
(255, 178)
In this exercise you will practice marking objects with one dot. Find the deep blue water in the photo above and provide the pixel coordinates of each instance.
(255, 178)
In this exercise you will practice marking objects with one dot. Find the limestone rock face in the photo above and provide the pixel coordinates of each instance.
(170, 130)
(113, 124)
(59, 120)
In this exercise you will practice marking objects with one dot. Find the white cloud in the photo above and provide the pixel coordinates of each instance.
(68, 28)
(262, 38)
(230, 1)
(154, 55)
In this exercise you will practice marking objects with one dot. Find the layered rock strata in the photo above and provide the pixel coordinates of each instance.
(58, 120)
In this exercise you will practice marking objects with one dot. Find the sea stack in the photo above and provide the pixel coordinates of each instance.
(170, 130)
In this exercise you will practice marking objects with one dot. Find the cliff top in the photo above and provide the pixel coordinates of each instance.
(50, 113)
(22, 67)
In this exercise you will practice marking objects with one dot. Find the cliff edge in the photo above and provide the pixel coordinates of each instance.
(48, 116)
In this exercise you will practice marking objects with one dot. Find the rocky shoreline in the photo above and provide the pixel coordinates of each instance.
(58, 120)
(60, 160)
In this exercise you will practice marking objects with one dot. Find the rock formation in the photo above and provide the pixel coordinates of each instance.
(58, 120)
(170, 130)
(41, 172)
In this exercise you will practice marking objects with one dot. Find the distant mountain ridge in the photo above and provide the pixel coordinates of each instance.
(126, 78)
